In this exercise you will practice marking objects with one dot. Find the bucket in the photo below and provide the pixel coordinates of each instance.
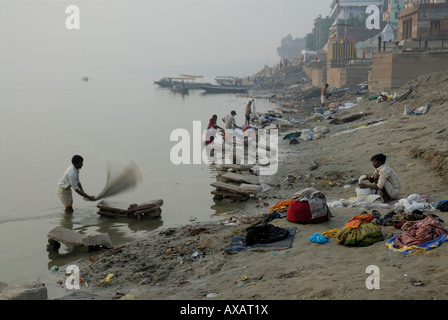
(363, 192)
(319, 110)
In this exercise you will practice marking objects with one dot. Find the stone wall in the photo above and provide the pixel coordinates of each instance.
(319, 77)
(340, 77)
(395, 69)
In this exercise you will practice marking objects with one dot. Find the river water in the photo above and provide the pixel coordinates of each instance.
(44, 123)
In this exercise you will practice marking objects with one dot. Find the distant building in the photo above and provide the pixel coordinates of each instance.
(413, 3)
(428, 21)
(391, 10)
(346, 9)
(349, 20)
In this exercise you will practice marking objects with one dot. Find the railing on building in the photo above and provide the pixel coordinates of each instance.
(431, 43)
(351, 63)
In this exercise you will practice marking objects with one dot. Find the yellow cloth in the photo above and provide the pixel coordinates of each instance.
(331, 233)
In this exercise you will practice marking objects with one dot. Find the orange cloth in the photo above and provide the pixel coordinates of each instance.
(280, 206)
(356, 221)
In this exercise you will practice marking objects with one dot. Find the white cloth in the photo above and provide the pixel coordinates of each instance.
(322, 98)
(70, 178)
(372, 201)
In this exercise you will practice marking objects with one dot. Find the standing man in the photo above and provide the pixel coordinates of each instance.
(248, 112)
(324, 95)
(69, 180)
(384, 178)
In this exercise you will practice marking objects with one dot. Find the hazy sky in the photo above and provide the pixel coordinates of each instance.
(134, 33)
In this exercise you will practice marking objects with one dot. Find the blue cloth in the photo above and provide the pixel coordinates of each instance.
(318, 238)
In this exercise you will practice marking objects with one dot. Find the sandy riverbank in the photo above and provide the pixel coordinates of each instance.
(162, 267)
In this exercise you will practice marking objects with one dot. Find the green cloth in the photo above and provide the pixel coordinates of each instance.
(366, 234)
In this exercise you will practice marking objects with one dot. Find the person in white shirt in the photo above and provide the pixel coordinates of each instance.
(69, 180)
(384, 178)
(229, 121)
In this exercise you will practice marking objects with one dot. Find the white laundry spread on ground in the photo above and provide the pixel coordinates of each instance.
(120, 178)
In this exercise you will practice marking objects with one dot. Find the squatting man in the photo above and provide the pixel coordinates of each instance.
(384, 179)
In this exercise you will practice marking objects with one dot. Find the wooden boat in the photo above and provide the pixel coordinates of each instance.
(165, 83)
(225, 89)
(149, 209)
(185, 80)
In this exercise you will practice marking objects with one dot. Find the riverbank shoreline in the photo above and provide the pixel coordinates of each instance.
(190, 262)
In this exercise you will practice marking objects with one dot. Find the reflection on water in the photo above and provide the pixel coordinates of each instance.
(44, 123)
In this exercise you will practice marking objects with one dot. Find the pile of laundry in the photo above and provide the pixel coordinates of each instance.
(404, 221)
(360, 230)
(413, 202)
(383, 97)
(424, 235)
(421, 110)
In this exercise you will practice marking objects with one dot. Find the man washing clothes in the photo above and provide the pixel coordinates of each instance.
(384, 179)
(69, 180)
(229, 121)
(324, 95)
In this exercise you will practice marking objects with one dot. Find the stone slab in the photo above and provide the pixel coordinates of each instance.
(70, 237)
(244, 178)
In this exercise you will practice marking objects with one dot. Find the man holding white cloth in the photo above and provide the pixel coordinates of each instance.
(69, 180)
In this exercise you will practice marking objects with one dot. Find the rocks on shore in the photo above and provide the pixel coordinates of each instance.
(24, 291)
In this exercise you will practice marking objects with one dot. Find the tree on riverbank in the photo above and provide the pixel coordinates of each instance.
(317, 39)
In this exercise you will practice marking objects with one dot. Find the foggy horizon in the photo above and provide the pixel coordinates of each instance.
(154, 36)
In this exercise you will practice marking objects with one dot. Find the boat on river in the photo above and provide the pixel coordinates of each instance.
(184, 80)
(226, 84)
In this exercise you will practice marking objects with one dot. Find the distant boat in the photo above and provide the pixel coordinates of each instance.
(228, 81)
(185, 80)
(165, 82)
(226, 84)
